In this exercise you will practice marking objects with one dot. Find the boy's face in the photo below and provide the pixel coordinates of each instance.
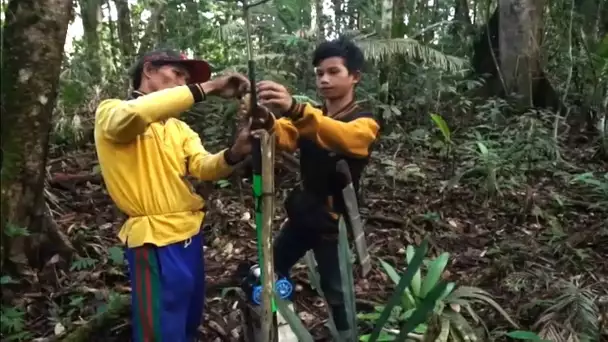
(333, 79)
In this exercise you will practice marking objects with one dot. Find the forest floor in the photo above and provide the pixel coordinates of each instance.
(512, 246)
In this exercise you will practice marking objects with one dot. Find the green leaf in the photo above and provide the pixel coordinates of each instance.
(443, 127)
(116, 255)
(5, 280)
(434, 273)
(293, 320)
(483, 149)
(384, 337)
(390, 272)
(316, 284)
(447, 291)
(404, 283)
(346, 273)
(417, 280)
(420, 315)
(525, 335)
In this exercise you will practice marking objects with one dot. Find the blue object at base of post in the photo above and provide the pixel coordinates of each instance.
(283, 288)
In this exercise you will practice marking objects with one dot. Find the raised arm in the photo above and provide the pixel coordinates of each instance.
(351, 138)
(122, 121)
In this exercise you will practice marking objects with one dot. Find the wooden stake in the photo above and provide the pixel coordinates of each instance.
(267, 266)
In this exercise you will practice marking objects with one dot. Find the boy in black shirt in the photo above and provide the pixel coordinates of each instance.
(339, 130)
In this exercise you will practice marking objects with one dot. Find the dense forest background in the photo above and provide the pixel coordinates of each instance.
(494, 146)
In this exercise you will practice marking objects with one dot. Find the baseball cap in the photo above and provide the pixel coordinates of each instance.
(199, 70)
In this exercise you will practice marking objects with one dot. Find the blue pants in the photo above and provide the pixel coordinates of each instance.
(168, 290)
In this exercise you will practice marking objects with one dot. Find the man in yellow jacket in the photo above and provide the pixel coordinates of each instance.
(145, 152)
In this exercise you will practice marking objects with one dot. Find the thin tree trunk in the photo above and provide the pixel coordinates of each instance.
(90, 12)
(33, 41)
(125, 31)
(147, 41)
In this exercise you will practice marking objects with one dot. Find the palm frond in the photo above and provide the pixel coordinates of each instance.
(378, 48)
(573, 315)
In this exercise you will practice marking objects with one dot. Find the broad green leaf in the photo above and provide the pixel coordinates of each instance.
(483, 149)
(390, 271)
(384, 337)
(443, 127)
(116, 254)
(420, 315)
(434, 273)
(524, 335)
(449, 288)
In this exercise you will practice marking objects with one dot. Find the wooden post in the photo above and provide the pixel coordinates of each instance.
(267, 263)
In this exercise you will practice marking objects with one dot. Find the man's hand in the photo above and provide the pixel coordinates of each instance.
(227, 86)
(243, 143)
(274, 96)
(259, 118)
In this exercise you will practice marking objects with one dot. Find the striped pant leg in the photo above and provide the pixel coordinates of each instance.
(163, 288)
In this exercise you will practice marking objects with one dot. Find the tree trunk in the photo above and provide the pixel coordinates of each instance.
(520, 33)
(152, 27)
(317, 11)
(398, 26)
(90, 12)
(33, 41)
(125, 32)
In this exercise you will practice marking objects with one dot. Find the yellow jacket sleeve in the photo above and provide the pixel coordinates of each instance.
(122, 121)
(202, 164)
(286, 135)
(351, 138)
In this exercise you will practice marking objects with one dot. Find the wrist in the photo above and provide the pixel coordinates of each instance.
(291, 112)
(232, 156)
(208, 87)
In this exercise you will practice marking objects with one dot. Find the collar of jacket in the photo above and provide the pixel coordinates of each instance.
(344, 111)
(135, 94)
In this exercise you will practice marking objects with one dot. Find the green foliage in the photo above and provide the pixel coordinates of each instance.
(82, 263)
(490, 146)
(446, 321)
(525, 335)
(12, 324)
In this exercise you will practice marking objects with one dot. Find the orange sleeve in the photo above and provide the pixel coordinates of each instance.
(351, 138)
(286, 134)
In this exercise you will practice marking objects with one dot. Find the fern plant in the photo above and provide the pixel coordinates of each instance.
(571, 317)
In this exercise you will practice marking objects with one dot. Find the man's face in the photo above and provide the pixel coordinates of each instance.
(333, 79)
(166, 76)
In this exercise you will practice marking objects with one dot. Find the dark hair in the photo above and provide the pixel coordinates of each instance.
(137, 69)
(341, 47)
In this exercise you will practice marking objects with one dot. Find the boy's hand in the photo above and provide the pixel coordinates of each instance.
(274, 96)
(227, 86)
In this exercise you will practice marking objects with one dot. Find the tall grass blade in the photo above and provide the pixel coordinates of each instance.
(293, 320)
(316, 283)
(346, 273)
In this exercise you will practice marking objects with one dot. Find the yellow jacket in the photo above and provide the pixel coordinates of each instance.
(144, 153)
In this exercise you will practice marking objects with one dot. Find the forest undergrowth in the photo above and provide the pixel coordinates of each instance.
(521, 217)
